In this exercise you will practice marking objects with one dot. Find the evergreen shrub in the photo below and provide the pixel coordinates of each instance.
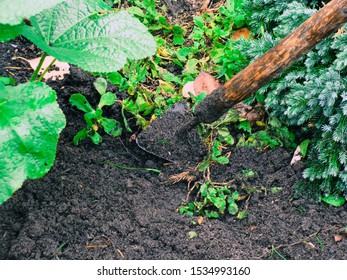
(311, 96)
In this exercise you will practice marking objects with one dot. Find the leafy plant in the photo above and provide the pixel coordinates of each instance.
(272, 135)
(182, 54)
(311, 95)
(87, 33)
(214, 201)
(94, 118)
(215, 155)
(30, 123)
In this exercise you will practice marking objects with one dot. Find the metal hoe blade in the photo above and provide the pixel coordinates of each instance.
(161, 137)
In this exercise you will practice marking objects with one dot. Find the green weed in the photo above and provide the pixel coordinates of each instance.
(213, 201)
(94, 117)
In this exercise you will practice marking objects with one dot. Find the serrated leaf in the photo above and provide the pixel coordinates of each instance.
(224, 132)
(107, 99)
(235, 195)
(80, 102)
(191, 67)
(100, 85)
(220, 203)
(222, 160)
(9, 32)
(199, 21)
(246, 126)
(136, 11)
(233, 208)
(93, 36)
(178, 38)
(14, 11)
(30, 123)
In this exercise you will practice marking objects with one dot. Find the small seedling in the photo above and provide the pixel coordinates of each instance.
(247, 173)
(94, 118)
(214, 201)
(275, 251)
(275, 190)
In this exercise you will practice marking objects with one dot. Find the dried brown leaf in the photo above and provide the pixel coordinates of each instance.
(338, 238)
(243, 32)
(205, 82)
(297, 156)
(243, 109)
(204, 6)
(188, 88)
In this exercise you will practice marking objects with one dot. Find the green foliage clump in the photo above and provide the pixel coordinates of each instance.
(215, 201)
(94, 118)
(311, 95)
(86, 33)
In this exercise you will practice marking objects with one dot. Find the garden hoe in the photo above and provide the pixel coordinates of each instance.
(173, 136)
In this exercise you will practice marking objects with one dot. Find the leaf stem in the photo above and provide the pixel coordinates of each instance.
(130, 168)
(37, 70)
(46, 70)
(125, 120)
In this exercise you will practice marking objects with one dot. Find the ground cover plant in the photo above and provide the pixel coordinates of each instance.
(301, 98)
(238, 202)
(311, 95)
(93, 37)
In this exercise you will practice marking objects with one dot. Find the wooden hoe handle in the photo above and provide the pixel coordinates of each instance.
(322, 24)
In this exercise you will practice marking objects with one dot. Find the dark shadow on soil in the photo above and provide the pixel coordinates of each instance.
(83, 209)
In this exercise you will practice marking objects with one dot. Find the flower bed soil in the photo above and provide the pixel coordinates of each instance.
(83, 209)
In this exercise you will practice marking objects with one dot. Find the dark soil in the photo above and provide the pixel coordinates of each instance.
(83, 209)
(165, 139)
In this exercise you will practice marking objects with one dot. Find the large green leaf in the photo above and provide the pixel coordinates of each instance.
(14, 11)
(90, 35)
(9, 32)
(30, 123)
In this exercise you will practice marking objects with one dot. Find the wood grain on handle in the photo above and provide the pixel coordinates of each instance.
(322, 24)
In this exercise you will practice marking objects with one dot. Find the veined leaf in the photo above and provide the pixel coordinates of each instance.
(14, 11)
(30, 123)
(92, 36)
(100, 85)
